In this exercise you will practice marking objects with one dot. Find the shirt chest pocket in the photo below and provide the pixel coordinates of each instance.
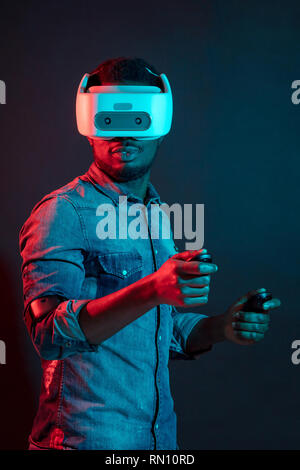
(117, 270)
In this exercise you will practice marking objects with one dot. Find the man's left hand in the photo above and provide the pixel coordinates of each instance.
(247, 327)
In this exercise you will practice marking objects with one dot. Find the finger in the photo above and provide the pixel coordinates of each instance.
(256, 327)
(270, 304)
(194, 291)
(247, 335)
(242, 300)
(189, 254)
(252, 317)
(197, 281)
(195, 300)
(196, 268)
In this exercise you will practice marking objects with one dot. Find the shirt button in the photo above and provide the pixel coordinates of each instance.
(124, 272)
(68, 344)
(156, 426)
(159, 338)
(156, 252)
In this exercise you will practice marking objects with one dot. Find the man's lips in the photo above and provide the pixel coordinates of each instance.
(132, 149)
(126, 152)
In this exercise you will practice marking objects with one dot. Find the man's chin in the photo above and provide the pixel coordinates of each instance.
(130, 174)
(125, 173)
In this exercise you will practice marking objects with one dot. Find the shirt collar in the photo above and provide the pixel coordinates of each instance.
(113, 190)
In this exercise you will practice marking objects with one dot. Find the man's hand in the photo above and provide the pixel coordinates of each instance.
(184, 283)
(177, 282)
(247, 327)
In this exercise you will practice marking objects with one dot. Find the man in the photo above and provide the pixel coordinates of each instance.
(102, 312)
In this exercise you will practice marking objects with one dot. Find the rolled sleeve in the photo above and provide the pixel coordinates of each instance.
(183, 324)
(59, 335)
(53, 246)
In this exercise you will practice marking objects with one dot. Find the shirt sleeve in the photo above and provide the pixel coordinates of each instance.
(52, 246)
(183, 324)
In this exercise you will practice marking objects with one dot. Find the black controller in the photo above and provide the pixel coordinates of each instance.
(203, 257)
(255, 303)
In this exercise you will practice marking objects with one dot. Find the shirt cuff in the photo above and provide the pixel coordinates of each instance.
(183, 324)
(66, 329)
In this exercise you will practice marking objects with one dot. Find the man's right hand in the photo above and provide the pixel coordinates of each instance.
(182, 282)
(178, 282)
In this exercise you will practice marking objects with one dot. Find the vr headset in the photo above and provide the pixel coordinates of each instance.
(142, 112)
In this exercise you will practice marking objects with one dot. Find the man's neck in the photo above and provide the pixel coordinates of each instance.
(137, 187)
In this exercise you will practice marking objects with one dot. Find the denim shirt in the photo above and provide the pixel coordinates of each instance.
(114, 395)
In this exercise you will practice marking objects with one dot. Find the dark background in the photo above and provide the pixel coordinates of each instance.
(233, 146)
